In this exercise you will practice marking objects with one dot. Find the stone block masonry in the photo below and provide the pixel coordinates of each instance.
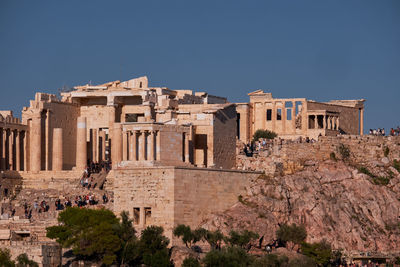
(168, 196)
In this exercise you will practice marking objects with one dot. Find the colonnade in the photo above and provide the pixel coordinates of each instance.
(12, 149)
(329, 122)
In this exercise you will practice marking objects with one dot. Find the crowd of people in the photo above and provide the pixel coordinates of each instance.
(377, 132)
(395, 131)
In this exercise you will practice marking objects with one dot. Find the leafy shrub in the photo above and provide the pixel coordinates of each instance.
(189, 237)
(24, 261)
(231, 256)
(5, 258)
(386, 151)
(271, 260)
(378, 180)
(320, 252)
(332, 156)
(190, 262)
(264, 134)
(344, 151)
(241, 239)
(291, 233)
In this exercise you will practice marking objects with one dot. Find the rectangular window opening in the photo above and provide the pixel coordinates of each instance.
(269, 114)
(147, 216)
(136, 215)
(278, 114)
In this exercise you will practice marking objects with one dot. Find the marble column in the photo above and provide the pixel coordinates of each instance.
(102, 145)
(57, 149)
(35, 143)
(134, 148)
(187, 160)
(116, 145)
(17, 150)
(81, 144)
(324, 122)
(10, 149)
(158, 145)
(125, 145)
(151, 146)
(142, 145)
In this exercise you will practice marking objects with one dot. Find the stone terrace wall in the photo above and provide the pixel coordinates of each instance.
(177, 195)
(288, 156)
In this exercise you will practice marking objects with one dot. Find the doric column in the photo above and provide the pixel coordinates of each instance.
(151, 146)
(361, 121)
(47, 141)
(142, 145)
(186, 135)
(95, 155)
(116, 144)
(17, 150)
(158, 145)
(102, 145)
(25, 164)
(10, 149)
(35, 143)
(57, 149)
(81, 144)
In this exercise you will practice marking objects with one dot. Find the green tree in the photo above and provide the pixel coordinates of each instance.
(24, 261)
(320, 252)
(291, 233)
(153, 247)
(188, 236)
(214, 238)
(190, 262)
(230, 256)
(90, 234)
(241, 239)
(127, 234)
(5, 258)
(271, 260)
(264, 134)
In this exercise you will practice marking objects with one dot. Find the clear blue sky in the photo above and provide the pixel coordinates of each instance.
(316, 49)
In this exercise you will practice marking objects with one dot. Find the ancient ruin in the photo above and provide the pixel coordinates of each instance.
(164, 154)
(294, 117)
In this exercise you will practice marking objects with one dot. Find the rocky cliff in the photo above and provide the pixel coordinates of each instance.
(354, 204)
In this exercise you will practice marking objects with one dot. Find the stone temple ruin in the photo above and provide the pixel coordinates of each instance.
(172, 151)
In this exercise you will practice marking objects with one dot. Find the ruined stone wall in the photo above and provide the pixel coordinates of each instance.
(349, 117)
(224, 136)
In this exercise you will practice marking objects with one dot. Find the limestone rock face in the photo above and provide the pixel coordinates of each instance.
(333, 200)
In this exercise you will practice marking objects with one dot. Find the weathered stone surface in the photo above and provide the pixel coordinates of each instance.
(332, 200)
